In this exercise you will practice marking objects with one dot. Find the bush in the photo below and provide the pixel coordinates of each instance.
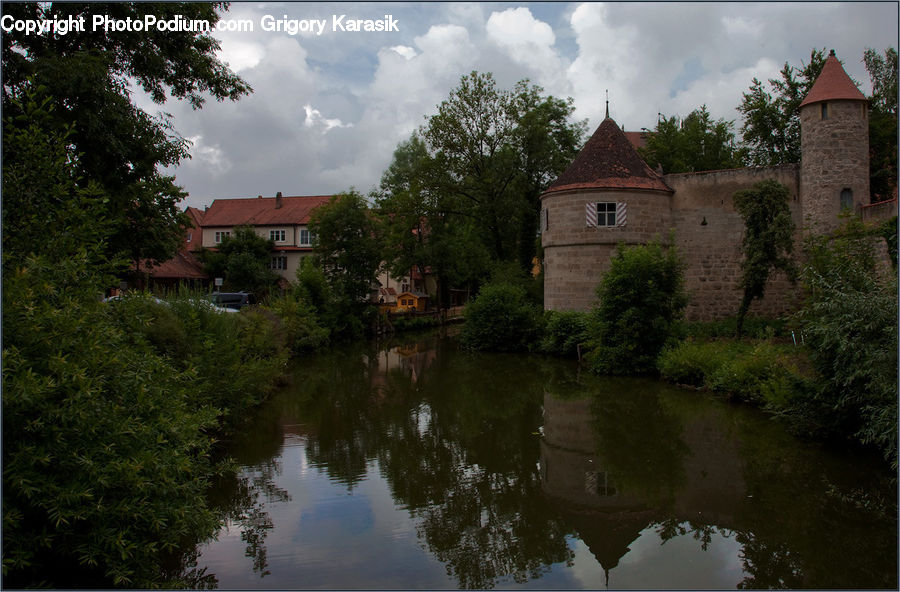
(754, 328)
(849, 321)
(761, 373)
(105, 447)
(563, 332)
(302, 331)
(500, 319)
(641, 299)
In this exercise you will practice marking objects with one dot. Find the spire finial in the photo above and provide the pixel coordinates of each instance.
(607, 103)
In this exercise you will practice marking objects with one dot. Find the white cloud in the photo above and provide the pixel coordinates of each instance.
(210, 156)
(314, 118)
(529, 43)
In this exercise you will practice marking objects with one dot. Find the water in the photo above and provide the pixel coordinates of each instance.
(421, 466)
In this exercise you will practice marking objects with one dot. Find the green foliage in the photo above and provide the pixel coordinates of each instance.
(768, 239)
(771, 128)
(500, 318)
(299, 322)
(346, 248)
(563, 332)
(696, 143)
(242, 260)
(888, 231)
(882, 123)
(641, 300)
(761, 373)
(753, 328)
(849, 321)
(120, 147)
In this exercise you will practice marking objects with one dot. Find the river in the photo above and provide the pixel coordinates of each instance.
(415, 465)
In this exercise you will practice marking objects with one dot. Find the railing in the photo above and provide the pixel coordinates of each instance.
(876, 212)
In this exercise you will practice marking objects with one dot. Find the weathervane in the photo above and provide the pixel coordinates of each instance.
(607, 103)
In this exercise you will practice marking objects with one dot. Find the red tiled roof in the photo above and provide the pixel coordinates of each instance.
(182, 266)
(609, 161)
(261, 211)
(832, 84)
(637, 139)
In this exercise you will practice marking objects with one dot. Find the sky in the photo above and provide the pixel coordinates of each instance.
(329, 109)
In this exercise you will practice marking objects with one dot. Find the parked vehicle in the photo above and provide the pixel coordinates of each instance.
(232, 300)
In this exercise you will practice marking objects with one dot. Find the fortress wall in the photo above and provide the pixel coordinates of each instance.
(712, 251)
(576, 255)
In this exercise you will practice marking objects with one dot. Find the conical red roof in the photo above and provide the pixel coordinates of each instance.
(609, 161)
(833, 84)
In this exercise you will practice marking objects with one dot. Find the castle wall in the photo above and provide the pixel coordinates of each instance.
(576, 255)
(712, 251)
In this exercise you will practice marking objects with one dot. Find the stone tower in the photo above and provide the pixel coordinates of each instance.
(834, 140)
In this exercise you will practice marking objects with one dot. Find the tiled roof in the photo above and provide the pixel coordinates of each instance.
(261, 211)
(609, 161)
(832, 84)
(182, 266)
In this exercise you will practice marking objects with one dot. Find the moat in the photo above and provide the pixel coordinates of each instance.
(415, 465)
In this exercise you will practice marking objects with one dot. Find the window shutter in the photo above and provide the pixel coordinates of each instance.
(620, 214)
(590, 214)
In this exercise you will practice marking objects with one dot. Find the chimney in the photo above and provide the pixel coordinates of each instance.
(278, 203)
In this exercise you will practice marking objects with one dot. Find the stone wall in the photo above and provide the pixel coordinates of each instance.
(576, 255)
(708, 234)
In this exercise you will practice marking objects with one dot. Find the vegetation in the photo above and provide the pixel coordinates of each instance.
(464, 191)
(771, 128)
(641, 300)
(347, 253)
(768, 239)
(849, 321)
(242, 260)
(564, 332)
(696, 143)
(120, 147)
(882, 123)
(501, 318)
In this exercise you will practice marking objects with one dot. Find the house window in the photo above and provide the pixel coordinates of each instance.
(276, 236)
(190, 236)
(824, 111)
(306, 237)
(606, 213)
(221, 234)
(279, 263)
(847, 199)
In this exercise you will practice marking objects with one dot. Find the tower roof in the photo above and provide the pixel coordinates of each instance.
(609, 161)
(833, 84)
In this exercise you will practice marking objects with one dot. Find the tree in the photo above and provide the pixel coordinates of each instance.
(768, 239)
(882, 123)
(771, 128)
(242, 260)
(696, 143)
(118, 146)
(346, 249)
(497, 150)
(641, 298)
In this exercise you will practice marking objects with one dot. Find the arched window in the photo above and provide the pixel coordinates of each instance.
(847, 199)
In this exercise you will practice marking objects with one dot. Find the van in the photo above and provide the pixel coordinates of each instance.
(232, 300)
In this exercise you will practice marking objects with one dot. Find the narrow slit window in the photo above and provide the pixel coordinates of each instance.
(847, 199)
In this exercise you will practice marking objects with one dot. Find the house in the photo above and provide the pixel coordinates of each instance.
(184, 269)
(412, 302)
(282, 219)
(609, 196)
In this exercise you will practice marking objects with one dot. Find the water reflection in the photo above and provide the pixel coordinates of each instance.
(477, 471)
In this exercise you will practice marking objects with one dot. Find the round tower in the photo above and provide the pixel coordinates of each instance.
(834, 141)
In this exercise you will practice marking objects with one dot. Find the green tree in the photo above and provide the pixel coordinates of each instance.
(641, 298)
(768, 240)
(771, 128)
(347, 250)
(882, 123)
(120, 147)
(243, 261)
(496, 151)
(696, 143)
(501, 318)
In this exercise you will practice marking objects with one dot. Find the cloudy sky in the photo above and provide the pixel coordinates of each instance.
(328, 109)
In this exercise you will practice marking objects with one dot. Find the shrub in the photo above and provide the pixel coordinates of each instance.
(500, 318)
(563, 332)
(641, 299)
(850, 323)
(302, 331)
